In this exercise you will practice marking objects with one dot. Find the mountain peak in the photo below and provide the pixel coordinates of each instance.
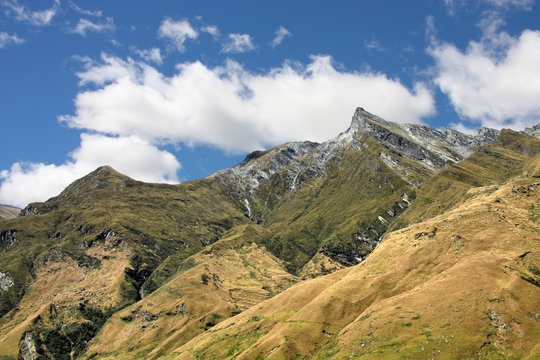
(361, 118)
(104, 177)
(430, 148)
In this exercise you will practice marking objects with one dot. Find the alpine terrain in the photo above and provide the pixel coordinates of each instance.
(389, 241)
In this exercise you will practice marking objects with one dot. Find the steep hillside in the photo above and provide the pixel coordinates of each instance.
(463, 284)
(332, 202)
(223, 280)
(116, 268)
(102, 244)
(8, 212)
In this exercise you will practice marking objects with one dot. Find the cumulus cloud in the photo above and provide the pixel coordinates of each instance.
(237, 43)
(29, 182)
(234, 109)
(151, 55)
(6, 39)
(281, 34)
(177, 32)
(84, 26)
(130, 110)
(36, 18)
(495, 81)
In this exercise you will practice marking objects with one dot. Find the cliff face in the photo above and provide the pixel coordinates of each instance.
(116, 268)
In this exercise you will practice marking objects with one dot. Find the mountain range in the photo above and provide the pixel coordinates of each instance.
(388, 241)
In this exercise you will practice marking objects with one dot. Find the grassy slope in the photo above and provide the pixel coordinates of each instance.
(224, 279)
(8, 212)
(490, 165)
(326, 212)
(157, 227)
(462, 284)
(154, 227)
(323, 213)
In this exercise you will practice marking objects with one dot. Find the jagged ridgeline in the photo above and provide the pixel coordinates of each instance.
(117, 268)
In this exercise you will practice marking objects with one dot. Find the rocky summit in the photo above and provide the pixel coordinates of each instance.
(388, 241)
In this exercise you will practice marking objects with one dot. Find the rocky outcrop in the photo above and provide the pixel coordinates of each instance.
(430, 148)
(7, 238)
(28, 346)
(6, 281)
(532, 131)
(259, 166)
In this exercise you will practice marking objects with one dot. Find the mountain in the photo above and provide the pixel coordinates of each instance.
(463, 284)
(8, 212)
(338, 198)
(291, 253)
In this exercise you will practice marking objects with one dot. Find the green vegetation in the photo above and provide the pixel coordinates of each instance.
(331, 214)
(534, 213)
(127, 241)
(490, 165)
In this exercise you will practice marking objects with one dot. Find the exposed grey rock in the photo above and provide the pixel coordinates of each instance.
(29, 210)
(264, 178)
(85, 229)
(6, 281)
(533, 131)
(7, 238)
(148, 316)
(142, 292)
(434, 149)
(106, 234)
(494, 315)
(431, 148)
(496, 322)
(28, 346)
(259, 166)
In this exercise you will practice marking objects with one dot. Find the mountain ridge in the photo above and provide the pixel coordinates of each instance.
(112, 255)
(450, 146)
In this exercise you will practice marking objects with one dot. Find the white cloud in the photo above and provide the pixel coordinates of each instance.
(109, 70)
(151, 55)
(212, 30)
(6, 39)
(84, 26)
(36, 18)
(177, 32)
(96, 13)
(374, 45)
(29, 182)
(453, 6)
(237, 43)
(135, 109)
(496, 81)
(234, 109)
(281, 34)
(523, 4)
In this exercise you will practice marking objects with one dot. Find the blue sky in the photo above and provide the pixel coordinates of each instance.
(171, 91)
